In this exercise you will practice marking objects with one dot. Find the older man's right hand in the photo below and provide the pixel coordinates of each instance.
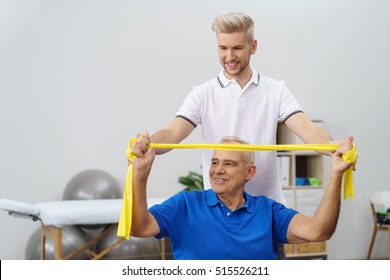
(145, 154)
(141, 146)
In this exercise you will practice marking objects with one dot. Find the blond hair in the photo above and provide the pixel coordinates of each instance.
(234, 22)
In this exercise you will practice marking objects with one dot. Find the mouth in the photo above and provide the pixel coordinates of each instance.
(219, 180)
(232, 64)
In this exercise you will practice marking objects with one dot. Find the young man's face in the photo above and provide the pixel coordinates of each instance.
(228, 172)
(234, 52)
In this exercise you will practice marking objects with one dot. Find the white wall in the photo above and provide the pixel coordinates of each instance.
(78, 79)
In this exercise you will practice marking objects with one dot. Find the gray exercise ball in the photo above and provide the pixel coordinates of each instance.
(92, 184)
(132, 249)
(72, 238)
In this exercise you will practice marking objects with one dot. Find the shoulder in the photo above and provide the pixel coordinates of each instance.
(264, 200)
(268, 203)
(268, 81)
(211, 84)
(187, 197)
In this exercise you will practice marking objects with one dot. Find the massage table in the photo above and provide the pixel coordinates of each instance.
(55, 215)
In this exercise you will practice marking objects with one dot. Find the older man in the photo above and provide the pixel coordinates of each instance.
(225, 222)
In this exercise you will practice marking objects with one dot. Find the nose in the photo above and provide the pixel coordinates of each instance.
(219, 169)
(230, 54)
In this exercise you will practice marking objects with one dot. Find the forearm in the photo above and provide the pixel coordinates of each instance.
(308, 131)
(316, 135)
(174, 133)
(143, 222)
(163, 136)
(325, 218)
(319, 136)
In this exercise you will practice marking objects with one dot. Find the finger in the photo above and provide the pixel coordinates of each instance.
(143, 142)
(145, 138)
(354, 166)
(346, 145)
(137, 149)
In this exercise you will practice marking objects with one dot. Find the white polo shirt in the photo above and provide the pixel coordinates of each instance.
(222, 108)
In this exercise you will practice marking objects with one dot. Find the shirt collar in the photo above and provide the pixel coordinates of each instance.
(212, 200)
(224, 82)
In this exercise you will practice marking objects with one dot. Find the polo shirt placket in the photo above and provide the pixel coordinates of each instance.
(232, 218)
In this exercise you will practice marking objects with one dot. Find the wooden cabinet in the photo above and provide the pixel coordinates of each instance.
(302, 178)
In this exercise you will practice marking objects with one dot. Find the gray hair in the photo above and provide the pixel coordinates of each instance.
(249, 156)
(234, 22)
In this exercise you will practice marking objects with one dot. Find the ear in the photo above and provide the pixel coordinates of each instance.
(253, 47)
(250, 172)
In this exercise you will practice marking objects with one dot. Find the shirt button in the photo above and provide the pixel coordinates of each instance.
(228, 214)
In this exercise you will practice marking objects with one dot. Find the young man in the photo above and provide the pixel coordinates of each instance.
(226, 222)
(240, 102)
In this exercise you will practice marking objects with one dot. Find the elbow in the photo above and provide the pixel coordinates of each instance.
(143, 230)
(138, 232)
(322, 235)
(134, 232)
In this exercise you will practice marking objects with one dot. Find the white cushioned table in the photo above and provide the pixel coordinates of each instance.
(54, 215)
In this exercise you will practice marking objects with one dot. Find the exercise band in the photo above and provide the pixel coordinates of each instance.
(125, 219)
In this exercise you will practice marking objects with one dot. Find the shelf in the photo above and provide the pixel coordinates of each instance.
(285, 153)
(311, 256)
(309, 166)
(306, 153)
(306, 250)
(308, 187)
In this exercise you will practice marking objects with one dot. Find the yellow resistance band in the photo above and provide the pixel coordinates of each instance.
(124, 225)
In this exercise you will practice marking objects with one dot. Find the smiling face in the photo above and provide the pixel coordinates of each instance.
(229, 172)
(234, 51)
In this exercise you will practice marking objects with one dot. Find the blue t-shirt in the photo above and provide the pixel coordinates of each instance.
(200, 226)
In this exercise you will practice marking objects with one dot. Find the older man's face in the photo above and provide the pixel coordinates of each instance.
(228, 172)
